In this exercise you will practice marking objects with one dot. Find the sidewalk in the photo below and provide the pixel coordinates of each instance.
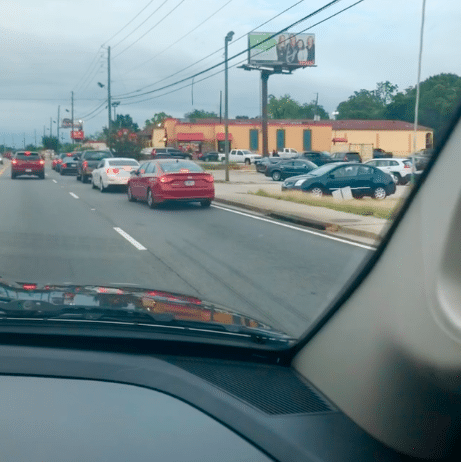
(235, 193)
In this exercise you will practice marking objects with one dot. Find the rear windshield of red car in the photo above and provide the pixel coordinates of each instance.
(27, 156)
(179, 167)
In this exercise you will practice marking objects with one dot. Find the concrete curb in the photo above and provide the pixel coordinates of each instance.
(329, 227)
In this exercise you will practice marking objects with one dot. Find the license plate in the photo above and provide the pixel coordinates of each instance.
(28, 170)
(71, 165)
(189, 183)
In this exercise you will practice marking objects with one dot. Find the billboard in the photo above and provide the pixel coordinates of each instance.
(67, 123)
(77, 135)
(286, 49)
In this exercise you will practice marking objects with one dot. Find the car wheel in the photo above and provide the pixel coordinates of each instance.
(150, 199)
(78, 177)
(247, 161)
(379, 193)
(92, 183)
(205, 203)
(42, 175)
(316, 191)
(129, 193)
(84, 179)
(276, 175)
(61, 173)
(397, 178)
(13, 176)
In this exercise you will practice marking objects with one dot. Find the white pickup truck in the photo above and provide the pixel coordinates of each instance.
(241, 156)
(288, 152)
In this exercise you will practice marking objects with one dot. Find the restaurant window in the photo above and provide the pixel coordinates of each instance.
(280, 139)
(254, 140)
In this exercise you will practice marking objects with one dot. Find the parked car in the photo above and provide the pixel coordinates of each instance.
(242, 156)
(381, 154)
(364, 180)
(113, 172)
(168, 153)
(171, 180)
(348, 156)
(291, 167)
(262, 164)
(319, 158)
(27, 163)
(288, 152)
(211, 156)
(399, 169)
(88, 161)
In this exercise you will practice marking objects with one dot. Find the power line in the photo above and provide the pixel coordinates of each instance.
(133, 31)
(88, 70)
(214, 52)
(243, 61)
(127, 24)
(184, 36)
(310, 15)
(153, 27)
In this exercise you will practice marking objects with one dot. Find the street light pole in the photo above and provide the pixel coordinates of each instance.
(57, 128)
(413, 169)
(109, 104)
(227, 39)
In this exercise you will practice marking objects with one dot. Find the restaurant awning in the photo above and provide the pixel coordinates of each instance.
(190, 137)
(221, 136)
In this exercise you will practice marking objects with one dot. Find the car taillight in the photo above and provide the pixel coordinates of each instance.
(163, 179)
(63, 165)
(29, 286)
(42, 162)
(112, 171)
(14, 161)
(406, 166)
(209, 178)
(85, 165)
(59, 161)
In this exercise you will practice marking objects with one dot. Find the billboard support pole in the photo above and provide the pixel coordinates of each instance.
(227, 39)
(264, 78)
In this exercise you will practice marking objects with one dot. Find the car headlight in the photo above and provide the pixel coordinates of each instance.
(299, 182)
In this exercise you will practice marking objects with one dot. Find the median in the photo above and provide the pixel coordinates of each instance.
(386, 209)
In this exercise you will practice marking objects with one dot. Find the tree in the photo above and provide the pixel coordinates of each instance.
(286, 107)
(50, 142)
(241, 117)
(439, 98)
(201, 114)
(31, 147)
(386, 92)
(124, 121)
(363, 104)
(159, 118)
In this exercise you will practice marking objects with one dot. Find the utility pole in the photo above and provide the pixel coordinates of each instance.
(220, 106)
(227, 39)
(57, 128)
(35, 135)
(24, 141)
(316, 105)
(72, 118)
(109, 104)
(413, 164)
(264, 78)
(51, 127)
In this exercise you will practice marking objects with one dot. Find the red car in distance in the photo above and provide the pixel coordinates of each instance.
(27, 163)
(171, 180)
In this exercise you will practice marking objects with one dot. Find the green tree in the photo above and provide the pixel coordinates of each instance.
(31, 147)
(124, 121)
(201, 114)
(50, 142)
(439, 98)
(286, 107)
(363, 104)
(159, 118)
(386, 92)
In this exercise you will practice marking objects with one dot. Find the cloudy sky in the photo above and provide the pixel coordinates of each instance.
(53, 47)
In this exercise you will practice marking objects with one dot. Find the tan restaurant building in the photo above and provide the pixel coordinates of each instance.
(303, 135)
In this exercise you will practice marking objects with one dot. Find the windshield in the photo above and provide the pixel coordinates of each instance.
(145, 83)
(178, 166)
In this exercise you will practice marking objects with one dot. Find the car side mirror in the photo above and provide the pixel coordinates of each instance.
(134, 172)
(331, 175)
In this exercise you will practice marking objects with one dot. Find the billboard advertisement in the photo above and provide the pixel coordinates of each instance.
(67, 123)
(77, 135)
(286, 49)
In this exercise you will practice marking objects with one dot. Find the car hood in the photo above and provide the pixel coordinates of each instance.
(161, 306)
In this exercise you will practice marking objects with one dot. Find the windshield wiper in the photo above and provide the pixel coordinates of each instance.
(30, 310)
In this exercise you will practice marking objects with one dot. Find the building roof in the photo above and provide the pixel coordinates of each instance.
(374, 125)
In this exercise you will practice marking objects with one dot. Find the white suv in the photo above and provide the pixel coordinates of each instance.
(243, 156)
(399, 169)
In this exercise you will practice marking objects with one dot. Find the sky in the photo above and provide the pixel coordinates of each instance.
(53, 47)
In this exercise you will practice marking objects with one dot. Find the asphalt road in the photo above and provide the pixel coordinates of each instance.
(59, 230)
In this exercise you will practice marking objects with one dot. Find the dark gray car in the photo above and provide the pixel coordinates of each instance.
(88, 161)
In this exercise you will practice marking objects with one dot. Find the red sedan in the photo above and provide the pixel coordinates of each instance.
(171, 180)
